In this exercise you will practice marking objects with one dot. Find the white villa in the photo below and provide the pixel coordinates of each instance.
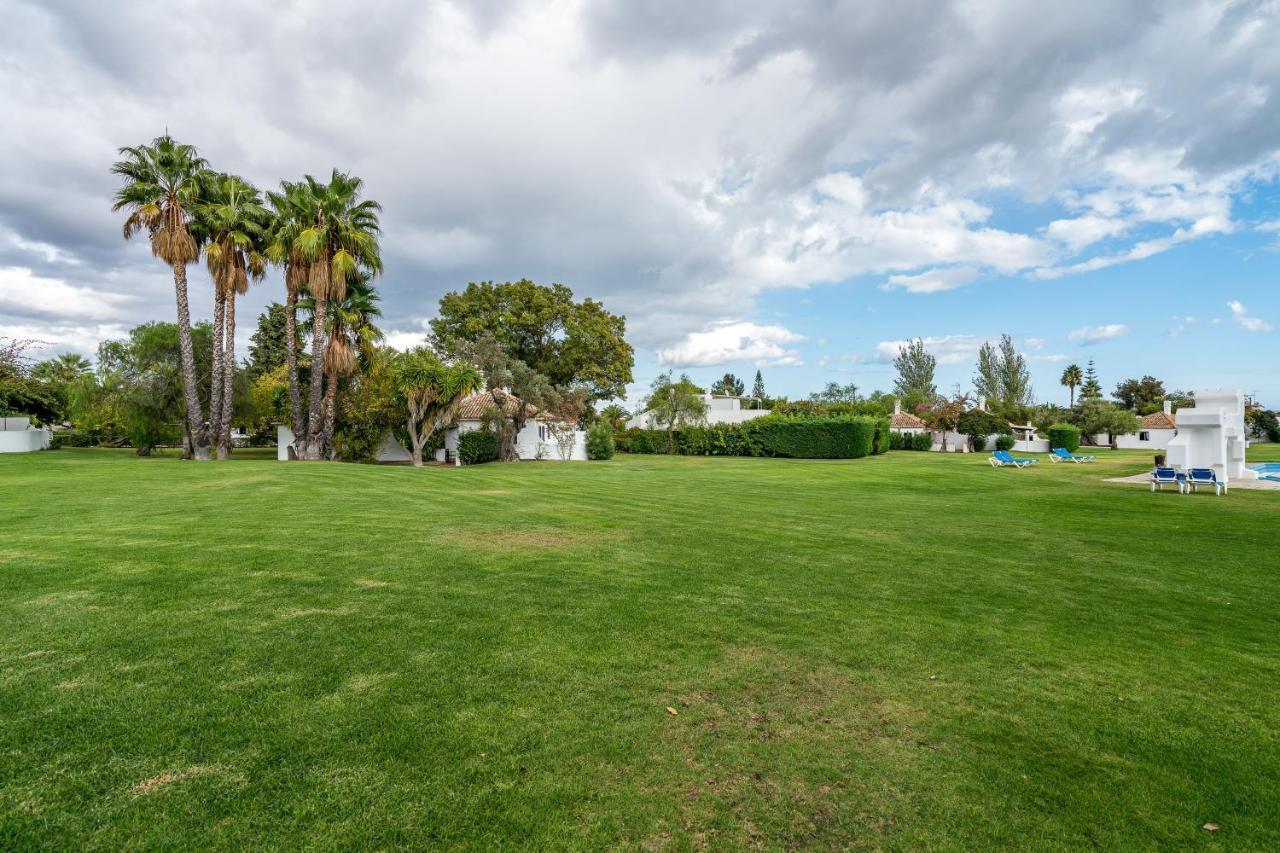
(721, 409)
(1155, 431)
(17, 435)
(538, 439)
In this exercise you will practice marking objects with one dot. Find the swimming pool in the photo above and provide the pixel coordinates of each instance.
(1267, 470)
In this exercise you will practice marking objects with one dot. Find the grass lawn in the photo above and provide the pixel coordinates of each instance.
(906, 651)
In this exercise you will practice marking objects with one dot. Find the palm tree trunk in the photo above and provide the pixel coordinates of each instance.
(215, 380)
(310, 443)
(291, 357)
(199, 433)
(330, 416)
(228, 379)
(1073, 396)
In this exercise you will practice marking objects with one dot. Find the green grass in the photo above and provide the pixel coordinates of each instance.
(905, 651)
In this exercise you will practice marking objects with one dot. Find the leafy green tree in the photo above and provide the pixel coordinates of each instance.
(64, 368)
(675, 403)
(1072, 376)
(431, 391)
(945, 415)
(1002, 375)
(162, 187)
(978, 424)
(1091, 388)
(836, 393)
(22, 393)
(268, 345)
(516, 390)
(728, 385)
(915, 368)
(570, 343)
(1143, 395)
(49, 385)
(1097, 417)
(1262, 423)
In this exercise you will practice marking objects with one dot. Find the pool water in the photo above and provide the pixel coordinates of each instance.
(1267, 470)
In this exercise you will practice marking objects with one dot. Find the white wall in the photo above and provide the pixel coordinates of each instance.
(532, 442)
(1157, 439)
(284, 438)
(714, 416)
(24, 441)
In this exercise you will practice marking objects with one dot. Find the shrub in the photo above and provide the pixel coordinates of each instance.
(921, 441)
(1064, 435)
(73, 438)
(477, 446)
(980, 442)
(880, 444)
(812, 438)
(1004, 442)
(600, 441)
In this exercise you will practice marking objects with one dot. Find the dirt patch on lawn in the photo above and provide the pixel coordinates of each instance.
(368, 583)
(172, 777)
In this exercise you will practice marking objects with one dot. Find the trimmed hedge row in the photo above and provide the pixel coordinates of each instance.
(910, 441)
(1064, 435)
(477, 446)
(798, 438)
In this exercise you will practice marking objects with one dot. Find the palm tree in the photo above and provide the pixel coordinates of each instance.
(1072, 376)
(162, 185)
(234, 222)
(290, 209)
(351, 339)
(432, 392)
(338, 238)
(64, 368)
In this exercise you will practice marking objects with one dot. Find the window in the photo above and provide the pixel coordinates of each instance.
(1144, 436)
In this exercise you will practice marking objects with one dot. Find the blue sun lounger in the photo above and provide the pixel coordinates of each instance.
(1064, 455)
(1197, 477)
(1162, 477)
(1001, 458)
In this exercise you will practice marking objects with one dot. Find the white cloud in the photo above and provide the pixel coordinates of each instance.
(947, 349)
(1244, 320)
(721, 343)
(59, 337)
(22, 292)
(1084, 231)
(932, 281)
(1052, 359)
(1095, 334)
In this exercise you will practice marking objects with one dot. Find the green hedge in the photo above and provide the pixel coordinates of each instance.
(910, 441)
(847, 437)
(1064, 435)
(73, 438)
(477, 446)
(600, 441)
(1004, 442)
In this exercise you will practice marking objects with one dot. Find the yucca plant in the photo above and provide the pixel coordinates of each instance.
(162, 188)
(432, 392)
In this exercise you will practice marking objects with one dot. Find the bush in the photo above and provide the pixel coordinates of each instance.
(881, 442)
(600, 441)
(921, 441)
(812, 438)
(477, 446)
(980, 442)
(1004, 442)
(1064, 435)
(73, 438)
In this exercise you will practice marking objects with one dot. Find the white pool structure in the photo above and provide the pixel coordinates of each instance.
(17, 435)
(1267, 470)
(1211, 434)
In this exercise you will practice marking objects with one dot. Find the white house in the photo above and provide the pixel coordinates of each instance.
(1211, 434)
(906, 423)
(721, 409)
(1155, 431)
(538, 440)
(17, 435)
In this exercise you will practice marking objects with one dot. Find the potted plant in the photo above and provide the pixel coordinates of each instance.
(1159, 460)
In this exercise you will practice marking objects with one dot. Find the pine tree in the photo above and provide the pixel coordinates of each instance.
(757, 389)
(1091, 388)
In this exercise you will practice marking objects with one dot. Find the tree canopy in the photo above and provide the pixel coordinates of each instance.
(1002, 376)
(915, 368)
(569, 342)
(729, 385)
(1144, 395)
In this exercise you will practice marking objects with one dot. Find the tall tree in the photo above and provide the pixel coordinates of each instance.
(915, 368)
(335, 236)
(1143, 395)
(351, 337)
(268, 345)
(570, 343)
(944, 416)
(432, 391)
(729, 385)
(1091, 388)
(615, 415)
(757, 388)
(836, 393)
(233, 222)
(1002, 374)
(290, 213)
(64, 368)
(1072, 376)
(675, 403)
(162, 185)
(516, 390)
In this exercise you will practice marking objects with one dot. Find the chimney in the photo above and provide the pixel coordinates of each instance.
(897, 406)
(1168, 407)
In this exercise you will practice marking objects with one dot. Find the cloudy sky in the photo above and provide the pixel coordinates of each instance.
(795, 186)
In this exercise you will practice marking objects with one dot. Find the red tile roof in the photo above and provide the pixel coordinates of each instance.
(904, 420)
(473, 408)
(1159, 420)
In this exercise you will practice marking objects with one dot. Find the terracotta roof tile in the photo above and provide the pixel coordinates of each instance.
(905, 420)
(473, 408)
(1159, 420)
